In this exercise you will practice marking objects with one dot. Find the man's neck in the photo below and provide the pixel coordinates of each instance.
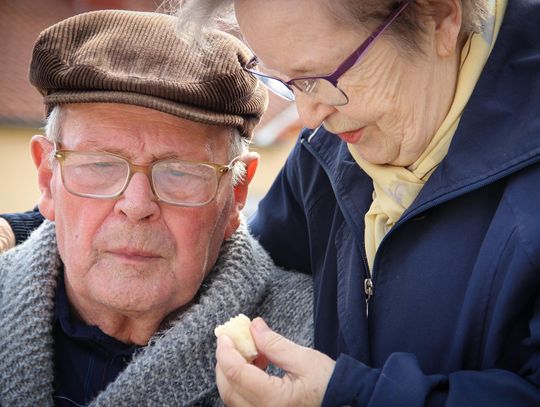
(130, 328)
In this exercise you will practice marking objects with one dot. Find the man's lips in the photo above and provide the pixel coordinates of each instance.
(134, 254)
(351, 137)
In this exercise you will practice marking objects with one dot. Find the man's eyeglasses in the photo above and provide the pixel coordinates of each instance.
(324, 88)
(107, 175)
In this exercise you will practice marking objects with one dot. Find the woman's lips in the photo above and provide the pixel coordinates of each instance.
(351, 137)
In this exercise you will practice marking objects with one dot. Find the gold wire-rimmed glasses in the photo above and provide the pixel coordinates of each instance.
(104, 175)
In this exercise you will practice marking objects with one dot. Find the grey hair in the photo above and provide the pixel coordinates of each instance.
(239, 146)
(53, 129)
(196, 15)
(53, 124)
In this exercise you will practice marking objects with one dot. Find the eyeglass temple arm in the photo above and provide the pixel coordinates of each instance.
(359, 53)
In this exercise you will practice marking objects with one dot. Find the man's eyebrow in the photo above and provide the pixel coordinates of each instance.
(111, 149)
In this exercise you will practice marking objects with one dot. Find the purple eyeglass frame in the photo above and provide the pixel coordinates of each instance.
(351, 60)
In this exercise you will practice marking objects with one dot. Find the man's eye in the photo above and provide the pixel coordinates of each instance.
(100, 167)
(176, 173)
(182, 176)
(105, 164)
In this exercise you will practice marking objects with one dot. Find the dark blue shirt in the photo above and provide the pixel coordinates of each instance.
(86, 360)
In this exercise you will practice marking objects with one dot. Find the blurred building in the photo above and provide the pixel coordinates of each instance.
(22, 112)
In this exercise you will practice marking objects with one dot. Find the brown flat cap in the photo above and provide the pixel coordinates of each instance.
(115, 56)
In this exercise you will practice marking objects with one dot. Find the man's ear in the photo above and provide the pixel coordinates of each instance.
(40, 149)
(251, 160)
(447, 15)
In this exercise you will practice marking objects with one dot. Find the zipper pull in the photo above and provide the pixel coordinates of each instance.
(368, 289)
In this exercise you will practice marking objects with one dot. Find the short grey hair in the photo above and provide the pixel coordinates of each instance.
(238, 146)
(196, 15)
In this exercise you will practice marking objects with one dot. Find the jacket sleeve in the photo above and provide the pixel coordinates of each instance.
(400, 382)
(280, 222)
(23, 224)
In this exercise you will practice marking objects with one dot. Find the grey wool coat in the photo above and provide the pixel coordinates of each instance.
(177, 367)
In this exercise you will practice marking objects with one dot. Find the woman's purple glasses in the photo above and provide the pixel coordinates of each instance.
(324, 88)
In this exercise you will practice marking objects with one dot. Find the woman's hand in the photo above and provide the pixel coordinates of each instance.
(242, 384)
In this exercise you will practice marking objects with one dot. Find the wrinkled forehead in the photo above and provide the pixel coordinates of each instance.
(293, 38)
(141, 132)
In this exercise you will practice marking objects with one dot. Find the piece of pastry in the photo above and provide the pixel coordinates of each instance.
(237, 329)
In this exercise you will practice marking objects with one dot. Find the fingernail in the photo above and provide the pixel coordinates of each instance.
(224, 340)
(259, 325)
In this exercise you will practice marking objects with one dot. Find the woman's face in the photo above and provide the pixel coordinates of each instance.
(396, 101)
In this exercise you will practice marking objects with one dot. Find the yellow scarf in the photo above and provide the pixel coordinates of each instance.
(395, 188)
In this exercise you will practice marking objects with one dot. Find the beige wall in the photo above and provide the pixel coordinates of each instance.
(18, 185)
(272, 159)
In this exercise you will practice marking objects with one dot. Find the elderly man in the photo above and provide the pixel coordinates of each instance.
(143, 172)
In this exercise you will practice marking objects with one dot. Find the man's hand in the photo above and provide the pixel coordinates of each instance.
(242, 384)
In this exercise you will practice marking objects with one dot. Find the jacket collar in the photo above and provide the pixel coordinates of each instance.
(499, 132)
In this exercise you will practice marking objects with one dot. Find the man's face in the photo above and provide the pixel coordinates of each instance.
(135, 255)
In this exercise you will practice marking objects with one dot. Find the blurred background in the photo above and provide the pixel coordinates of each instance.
(22, 112)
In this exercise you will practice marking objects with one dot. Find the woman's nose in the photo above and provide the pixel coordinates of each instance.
(312, 113)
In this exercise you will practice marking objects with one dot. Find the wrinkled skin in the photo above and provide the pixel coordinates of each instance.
(131, 261)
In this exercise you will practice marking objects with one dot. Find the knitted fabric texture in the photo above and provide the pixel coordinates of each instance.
(177, 366)
(114, 56)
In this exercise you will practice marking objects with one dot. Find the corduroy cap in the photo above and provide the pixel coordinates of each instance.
(116, 56)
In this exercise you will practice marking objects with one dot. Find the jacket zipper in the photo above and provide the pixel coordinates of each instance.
(369, 287)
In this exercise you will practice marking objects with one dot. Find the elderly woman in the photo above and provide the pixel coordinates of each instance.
(413, 202)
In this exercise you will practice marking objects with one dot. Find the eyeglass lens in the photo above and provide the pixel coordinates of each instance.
(94, 174)
(318, 88)
(183, 182)
(276, 86)
(104, 176)
(322, 90)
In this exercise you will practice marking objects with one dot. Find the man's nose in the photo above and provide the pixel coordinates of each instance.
(312, 112)
(138, 201)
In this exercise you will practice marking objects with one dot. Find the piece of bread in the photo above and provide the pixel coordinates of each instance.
(237, 329)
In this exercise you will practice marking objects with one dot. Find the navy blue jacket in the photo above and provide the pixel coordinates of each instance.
(455, 315)
(24, 223)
